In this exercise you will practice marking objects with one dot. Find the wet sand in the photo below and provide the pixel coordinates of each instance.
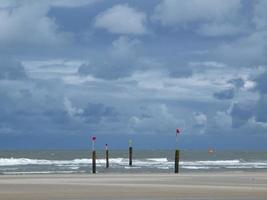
(230, 185)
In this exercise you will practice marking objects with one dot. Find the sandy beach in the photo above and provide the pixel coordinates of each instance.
(230, 185)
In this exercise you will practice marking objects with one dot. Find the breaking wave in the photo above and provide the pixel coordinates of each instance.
(157, 163)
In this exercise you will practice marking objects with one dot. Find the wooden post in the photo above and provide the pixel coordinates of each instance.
(94, 162)
(130, 156)
(176, 165)
(93, 155)
(177, 153)
(107, 157)
(130, 153)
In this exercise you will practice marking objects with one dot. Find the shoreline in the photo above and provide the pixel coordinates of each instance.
(144, 172)
(213, 185)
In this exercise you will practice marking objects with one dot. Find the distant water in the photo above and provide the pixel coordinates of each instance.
(154, 161)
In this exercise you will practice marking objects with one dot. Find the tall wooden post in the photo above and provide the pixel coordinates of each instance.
(177, 152)
(130, 153)
(107, 157)
(93, 155)
(176, 165)
(94, 162)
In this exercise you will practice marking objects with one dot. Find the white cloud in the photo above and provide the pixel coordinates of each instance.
(52, 69)
(122, 19)
(156, 84)
(250, 48)
(56, 3)
(28, 24)
(124, 48)
(254, 122)
(248, 85)
(171, 12)
(208, 64)
(72, 111)
(200, 119)
(71, 3)
(199, 123)
(215, 17)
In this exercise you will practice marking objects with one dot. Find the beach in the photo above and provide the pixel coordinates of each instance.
(186, 186)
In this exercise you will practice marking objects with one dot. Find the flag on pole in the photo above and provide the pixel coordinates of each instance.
(93, 142)
(178, 131)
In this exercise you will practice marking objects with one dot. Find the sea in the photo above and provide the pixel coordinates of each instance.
(144, 161)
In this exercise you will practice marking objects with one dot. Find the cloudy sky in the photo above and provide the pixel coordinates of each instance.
(134, 69)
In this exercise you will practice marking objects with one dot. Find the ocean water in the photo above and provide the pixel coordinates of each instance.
(144, 161)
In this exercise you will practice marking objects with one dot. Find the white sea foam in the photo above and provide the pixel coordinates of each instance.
(163, 167)
(158, 163)
(128, 167)
(195, 167)
(212, 162)
(157, 159)
(27, 161)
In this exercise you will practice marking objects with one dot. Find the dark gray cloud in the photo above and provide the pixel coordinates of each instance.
(261, 82)
(261, 109)
(11, 69)
(261, 106)
(95, 112)
(26, 93)
(178, 72)
(240, 114)
(21, 115)
(108, 71)
(225, 94)
(237, 82)
(230, 93)
(57, 116)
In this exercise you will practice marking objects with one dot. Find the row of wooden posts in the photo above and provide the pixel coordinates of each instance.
(176, 162)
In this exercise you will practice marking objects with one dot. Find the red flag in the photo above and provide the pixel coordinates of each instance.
(178, 131)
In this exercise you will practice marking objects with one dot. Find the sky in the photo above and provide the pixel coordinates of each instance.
(130, 69)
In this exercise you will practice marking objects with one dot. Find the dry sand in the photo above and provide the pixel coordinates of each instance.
(234, 185)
